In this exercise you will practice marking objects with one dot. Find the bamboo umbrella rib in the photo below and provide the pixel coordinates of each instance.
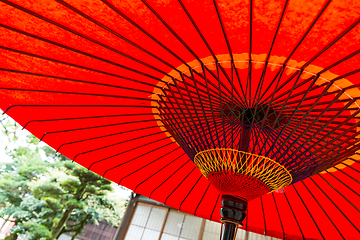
(342, 34)
(155, 160)
(74, 106)
(292, 211)
(308, 212)
(271, 47)
(85, 54)
(169, 163)
(216, 203)
(187, 195)
(92, 127)
(80, 81)
(171, 175)
(81, 93)
(86, 37)
(309, 29)
(339, 193)
(202, 198)
(129, 150)
(104, 136)
(334, 204)
(86, 117)
(323, 210)
(119, 165)
(263, 212)
(115, 144)
(345, 185)
(277, 210)
(71, 64)
(179, 184)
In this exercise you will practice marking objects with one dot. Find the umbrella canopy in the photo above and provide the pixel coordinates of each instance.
(136, 90)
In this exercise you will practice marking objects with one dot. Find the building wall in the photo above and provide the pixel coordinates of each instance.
(102, 231)
(5, 227)
(149, 220)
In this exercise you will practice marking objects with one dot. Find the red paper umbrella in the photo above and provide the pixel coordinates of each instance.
(250, 107)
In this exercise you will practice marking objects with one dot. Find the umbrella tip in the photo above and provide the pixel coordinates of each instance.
(43, 136)
(57, 150)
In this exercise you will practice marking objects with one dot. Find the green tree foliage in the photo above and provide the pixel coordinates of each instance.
(15, 194)
(46, 194)
(73, 191)
(32, 218)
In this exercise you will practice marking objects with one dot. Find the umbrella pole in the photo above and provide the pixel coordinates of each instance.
(232, 212)
(233, 209)
(228, 231)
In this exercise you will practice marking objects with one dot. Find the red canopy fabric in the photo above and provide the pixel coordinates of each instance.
(86, 78)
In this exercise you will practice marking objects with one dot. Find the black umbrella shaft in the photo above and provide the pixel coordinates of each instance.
(245, 138)
(228, 231)
(233, 212)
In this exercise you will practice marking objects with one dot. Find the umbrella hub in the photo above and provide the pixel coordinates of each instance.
(260, 114)
(241, 174)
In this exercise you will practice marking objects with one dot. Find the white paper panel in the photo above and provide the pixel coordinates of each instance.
(134, 233)
(212, 227)
(191, 227)
(156, 219)
(240, 235)
(255, 236)
(141, 215)
(211, 236)
(174, 223)
(168, 237)
(150, 235)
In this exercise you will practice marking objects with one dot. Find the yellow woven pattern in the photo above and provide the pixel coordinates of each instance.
(273, 174)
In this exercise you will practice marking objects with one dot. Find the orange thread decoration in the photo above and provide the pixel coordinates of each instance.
(266, 170)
